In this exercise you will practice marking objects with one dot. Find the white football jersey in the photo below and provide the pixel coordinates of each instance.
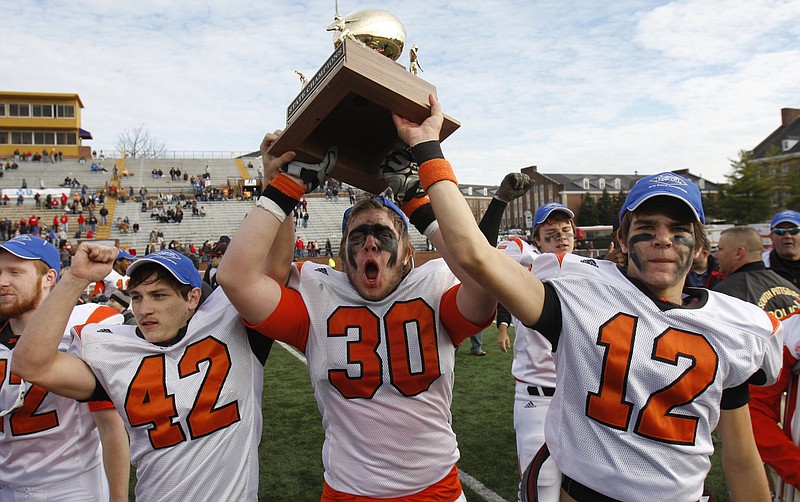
(382, 374)
(533, 355)
(638, 388)
(48, 438)
(192, 409)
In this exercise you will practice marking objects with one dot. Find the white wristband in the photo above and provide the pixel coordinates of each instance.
(431, 229)
(271, 206)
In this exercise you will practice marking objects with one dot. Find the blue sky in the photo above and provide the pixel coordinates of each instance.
(569, 86)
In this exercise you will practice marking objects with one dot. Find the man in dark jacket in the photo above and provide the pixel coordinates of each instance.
(784, 259)
(739, 257)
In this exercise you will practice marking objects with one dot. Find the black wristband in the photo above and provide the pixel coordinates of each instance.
(426, 151)
(422, 217)
(285, 202)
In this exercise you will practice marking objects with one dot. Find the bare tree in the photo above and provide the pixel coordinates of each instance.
(138, 143)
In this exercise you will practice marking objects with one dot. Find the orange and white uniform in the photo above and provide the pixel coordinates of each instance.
(640, 381)
(49, 439)
(382, 374)
(192, 406)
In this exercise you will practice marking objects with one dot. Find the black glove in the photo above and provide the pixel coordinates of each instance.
(513, 185)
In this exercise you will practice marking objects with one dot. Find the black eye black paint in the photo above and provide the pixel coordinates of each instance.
(385, 237)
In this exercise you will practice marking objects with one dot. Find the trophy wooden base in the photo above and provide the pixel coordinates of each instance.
(348, 104)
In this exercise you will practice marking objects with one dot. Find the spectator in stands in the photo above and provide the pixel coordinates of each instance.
(202, 211)
(217, 252)
(64, 220)
(93, 223)
(299, 248)
(136, 227)
(33, 225)
(20, 199)
(6, 199)
(103, 214)
(305, 219)
(81, 223)
(55, 223)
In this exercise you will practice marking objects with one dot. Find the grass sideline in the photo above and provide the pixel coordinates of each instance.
(290, 452)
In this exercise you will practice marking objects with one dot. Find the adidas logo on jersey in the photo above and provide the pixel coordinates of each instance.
(323, 270)
(530, 404)
(591, 262)
(104, 330)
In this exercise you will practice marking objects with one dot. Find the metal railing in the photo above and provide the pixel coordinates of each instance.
(181, 154)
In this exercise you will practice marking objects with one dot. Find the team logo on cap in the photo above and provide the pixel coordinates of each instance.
(22, 239)
(169, 255)
(670, 179)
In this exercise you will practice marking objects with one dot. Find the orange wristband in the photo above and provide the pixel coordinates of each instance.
(287, 186)
(412, 205)
(434, 171)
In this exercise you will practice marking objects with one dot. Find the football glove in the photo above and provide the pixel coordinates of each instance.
(401, 172)
(513, 185)
(313, 174)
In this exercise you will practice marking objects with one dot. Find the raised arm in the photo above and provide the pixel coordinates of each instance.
(499, 275)
(245, 274)
(36, 355)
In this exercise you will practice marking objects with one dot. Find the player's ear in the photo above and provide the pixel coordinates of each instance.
(194, 298)
(49, 279)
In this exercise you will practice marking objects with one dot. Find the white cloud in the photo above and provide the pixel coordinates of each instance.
(633, 85)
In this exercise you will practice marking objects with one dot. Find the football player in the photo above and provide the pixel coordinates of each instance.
(644, 371)
(187, 381)
(380, 337)
(50, 447)
(533, 367)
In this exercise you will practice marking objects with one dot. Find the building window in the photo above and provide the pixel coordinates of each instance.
(549, 193)
(586, 183)
(3, 137)
(42, 110)
(2, 109)
(617, 184)
(19, 110)
(44, 138)
(65, 111)
(601, 183)
(67, 138)
(21, 138)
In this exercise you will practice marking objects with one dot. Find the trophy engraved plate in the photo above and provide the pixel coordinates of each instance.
(348, 103)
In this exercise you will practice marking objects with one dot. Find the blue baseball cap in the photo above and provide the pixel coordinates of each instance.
(545, 210)
(124, 255)
(384, 201)
(669, 184)
(30, 247)
(180, 266)
(785, 216)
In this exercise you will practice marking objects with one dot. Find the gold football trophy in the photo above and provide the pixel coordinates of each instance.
(349, 102)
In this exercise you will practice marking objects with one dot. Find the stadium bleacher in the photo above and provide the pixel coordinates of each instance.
(222, 217)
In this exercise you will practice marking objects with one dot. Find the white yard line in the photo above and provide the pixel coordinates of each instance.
(476, 486)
